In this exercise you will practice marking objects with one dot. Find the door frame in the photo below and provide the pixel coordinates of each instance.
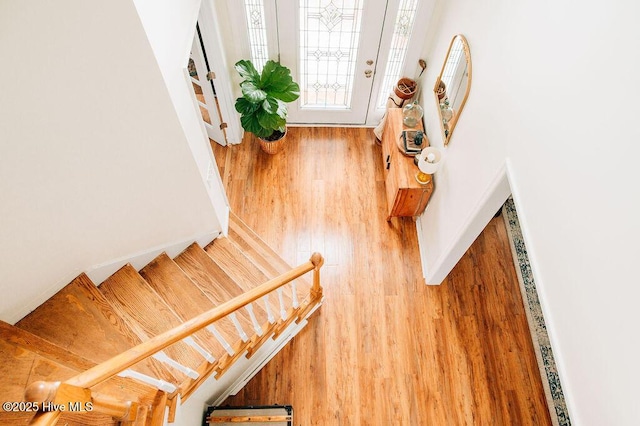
(198, 55)
(410, 67)
(214, 48)
(289, 44)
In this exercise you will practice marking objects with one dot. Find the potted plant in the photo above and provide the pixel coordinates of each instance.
(263, 104)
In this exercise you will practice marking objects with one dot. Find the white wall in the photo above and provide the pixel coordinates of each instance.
(171, 26)
(95, 164)
(542, 97)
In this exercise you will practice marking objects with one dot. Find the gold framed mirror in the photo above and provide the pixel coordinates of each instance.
(453, 84)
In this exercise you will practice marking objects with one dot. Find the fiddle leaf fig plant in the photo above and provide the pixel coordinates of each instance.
(263, 104)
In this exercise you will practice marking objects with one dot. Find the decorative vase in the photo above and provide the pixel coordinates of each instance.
(405, 88)
(446, 111)
(412, 114)
(441, 92)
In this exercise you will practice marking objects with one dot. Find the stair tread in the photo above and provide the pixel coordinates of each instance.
(66, 419)
(214, 282)
(81, 320)
(185, 298)
(262, 254)
(208, 275)
(145, 312)
(19, 367)
(22, 338)
(255, 247)
(72, 320)
(47, 354)
(239, 267)
(232, 259)
(93, 419)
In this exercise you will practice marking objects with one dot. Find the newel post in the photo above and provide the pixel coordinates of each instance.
(40, 392)
(316, 289)
(54, 398)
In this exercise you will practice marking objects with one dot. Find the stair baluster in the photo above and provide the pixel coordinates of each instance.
(227, 347)
(254, 320)
(270, 316)
(164, 358)
(202, 351)
(152, 381)
(283, 309)
(236, 323)
(294, 295)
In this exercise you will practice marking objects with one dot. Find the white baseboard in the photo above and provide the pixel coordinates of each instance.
(101, 272)
(489, 203)
(421, 251)
(21, 312)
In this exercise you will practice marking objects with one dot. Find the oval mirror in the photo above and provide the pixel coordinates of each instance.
(453, 85)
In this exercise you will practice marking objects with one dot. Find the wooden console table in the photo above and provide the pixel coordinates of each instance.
(405, 196)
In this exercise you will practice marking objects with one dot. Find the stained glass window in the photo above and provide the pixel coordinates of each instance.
(399, 43)
(257, 32)
(329, 36)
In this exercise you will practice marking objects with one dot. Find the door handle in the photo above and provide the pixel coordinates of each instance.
(367, 73)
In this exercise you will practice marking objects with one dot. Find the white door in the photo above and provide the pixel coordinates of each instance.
(347, 54)
(201, 79)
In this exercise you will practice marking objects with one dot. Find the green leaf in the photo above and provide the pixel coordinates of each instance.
(275, 77)
(289, 94)
(270, 121)
(251, 124)
(282, 109)
(252, 92)
(267, 72)
(271, 105)
(243, 106)
(247, 71)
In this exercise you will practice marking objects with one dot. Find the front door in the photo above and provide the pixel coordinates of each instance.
(332, 48)
(346, 54)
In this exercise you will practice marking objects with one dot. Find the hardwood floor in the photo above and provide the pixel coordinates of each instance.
(384, 349)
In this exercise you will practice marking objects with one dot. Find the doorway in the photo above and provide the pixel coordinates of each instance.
(345, 54)
(202, 81)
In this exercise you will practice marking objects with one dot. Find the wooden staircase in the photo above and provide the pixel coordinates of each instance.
(130, 349)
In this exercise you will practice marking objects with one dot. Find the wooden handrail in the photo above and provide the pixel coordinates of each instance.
(121, 362)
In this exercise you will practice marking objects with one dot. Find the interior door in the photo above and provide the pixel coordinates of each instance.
(332, 47)
(203, 87)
